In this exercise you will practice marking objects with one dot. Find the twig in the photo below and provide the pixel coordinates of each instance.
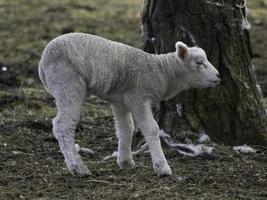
(142, 149)
(84, 150)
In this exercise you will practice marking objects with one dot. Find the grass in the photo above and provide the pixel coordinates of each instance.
(28, 26)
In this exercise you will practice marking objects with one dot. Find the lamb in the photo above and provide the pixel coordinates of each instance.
(130, 79)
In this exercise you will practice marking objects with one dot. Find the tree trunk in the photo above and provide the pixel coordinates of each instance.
(233, 112)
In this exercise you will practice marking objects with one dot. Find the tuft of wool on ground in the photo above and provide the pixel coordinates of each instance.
(244, 149)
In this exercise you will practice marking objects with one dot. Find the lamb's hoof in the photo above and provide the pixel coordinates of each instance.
(126, 164)
(78, 168)
(80, 171)
(162, 169)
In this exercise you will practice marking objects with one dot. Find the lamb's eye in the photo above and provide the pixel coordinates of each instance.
(201, 64)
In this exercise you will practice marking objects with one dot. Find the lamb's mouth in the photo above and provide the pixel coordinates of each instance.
(216, 81)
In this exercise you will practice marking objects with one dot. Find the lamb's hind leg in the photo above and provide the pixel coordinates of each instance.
(124, 131)
(69, 98)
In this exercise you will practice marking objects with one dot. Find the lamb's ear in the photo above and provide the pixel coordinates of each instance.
(182, 50)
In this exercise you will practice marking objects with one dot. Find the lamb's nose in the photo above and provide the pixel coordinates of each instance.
(219, 76)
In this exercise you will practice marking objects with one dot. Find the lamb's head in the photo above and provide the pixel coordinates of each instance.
(200, 71)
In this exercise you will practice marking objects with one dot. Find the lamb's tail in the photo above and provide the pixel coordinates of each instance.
(42, 75)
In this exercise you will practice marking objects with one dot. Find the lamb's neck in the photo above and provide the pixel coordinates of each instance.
(175, 74)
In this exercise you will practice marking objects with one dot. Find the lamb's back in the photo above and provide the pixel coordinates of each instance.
(106, 66)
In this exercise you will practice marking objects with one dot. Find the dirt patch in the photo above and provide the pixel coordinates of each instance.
(32, 167)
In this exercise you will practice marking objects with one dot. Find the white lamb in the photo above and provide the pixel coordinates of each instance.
(130, 79)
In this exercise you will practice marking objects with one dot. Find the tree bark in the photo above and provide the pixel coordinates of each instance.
(233, 112)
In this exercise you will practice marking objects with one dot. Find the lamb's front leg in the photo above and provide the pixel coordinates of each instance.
(144, 118)
(124, 131)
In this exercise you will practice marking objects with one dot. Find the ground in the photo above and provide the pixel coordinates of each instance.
(31, 165)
